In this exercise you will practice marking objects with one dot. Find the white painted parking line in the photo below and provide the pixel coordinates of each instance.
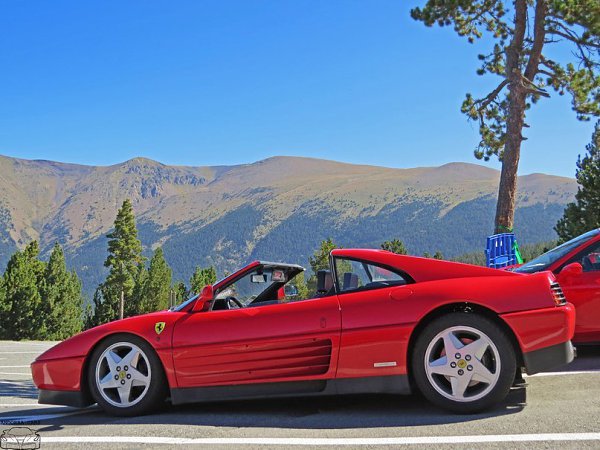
(28, 405)
(19, 353)
(421, 440)
(41, 417)
(15, 367)
(558, 374)
(27, 374)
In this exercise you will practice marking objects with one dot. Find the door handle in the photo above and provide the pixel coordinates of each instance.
(323, 322)
(401, 293)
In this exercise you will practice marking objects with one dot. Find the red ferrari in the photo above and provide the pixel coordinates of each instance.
(576, 265)
(379, 323)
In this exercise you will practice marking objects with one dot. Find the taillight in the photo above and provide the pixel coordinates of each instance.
(559, 296)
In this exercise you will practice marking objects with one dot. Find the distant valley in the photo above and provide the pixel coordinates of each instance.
(276, 209)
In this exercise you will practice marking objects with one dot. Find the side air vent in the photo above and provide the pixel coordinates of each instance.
(260, 361)
(559, 296)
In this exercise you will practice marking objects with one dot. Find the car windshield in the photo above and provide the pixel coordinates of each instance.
(544, 261)
(250, 286)
(184, 304)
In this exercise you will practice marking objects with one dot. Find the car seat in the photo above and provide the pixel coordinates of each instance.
(324, 283)
(350, 281)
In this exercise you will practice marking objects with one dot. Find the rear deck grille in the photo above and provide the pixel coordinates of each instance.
(559, 296)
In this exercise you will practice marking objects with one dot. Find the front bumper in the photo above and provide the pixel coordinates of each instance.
(549, 357)
(67, 398)
(59, 382)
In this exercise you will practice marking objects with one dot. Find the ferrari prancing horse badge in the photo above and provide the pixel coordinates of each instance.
(159, 327)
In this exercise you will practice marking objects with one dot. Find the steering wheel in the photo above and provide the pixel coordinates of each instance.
(231, 299)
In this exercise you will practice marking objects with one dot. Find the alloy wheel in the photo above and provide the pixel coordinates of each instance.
(123, 374)
(462, 364)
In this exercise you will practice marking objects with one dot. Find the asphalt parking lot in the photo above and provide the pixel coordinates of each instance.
(557, 410)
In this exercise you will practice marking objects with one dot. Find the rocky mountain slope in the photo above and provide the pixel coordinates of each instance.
(279, 208)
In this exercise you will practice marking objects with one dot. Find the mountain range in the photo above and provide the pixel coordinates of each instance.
(275, 209)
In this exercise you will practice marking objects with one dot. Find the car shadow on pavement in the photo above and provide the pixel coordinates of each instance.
(360, 411)
(18, 388)
(588, 358)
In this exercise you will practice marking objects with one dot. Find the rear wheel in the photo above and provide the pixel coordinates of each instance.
(125, 376)
(463, 362)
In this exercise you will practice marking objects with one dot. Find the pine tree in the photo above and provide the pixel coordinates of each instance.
(134, 306)
(99, 314)
(24, 318)
(124, 257)
(320, 258)
(319, 261)
(62, 300)
(394, 246)
(158, 284)
(584, 214)
(89, 319)
(202, 277)
(181, 292)
(521, 58)
(300, 282)
(4, 308)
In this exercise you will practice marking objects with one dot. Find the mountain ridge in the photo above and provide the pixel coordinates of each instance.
(278, 207)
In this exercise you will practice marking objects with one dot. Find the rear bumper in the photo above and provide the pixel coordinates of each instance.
(549, 357)
(67, 398)
(537, 329)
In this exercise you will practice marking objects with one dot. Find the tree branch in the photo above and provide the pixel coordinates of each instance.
(539, 33)
(484, 102)
(545, 72)
(570, 35)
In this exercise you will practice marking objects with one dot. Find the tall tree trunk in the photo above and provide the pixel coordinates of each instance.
(507, 191)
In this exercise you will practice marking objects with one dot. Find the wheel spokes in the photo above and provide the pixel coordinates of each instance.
(131, 358)
(459, 385)
(451, 343)
(112, 359)
(108, 381)
(117, 375)
(124, 392)
(441, 367)
(138, 378)
(457, 363)
(477, 348)
(482, 373)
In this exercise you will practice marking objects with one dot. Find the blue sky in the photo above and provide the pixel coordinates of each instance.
(227, 82)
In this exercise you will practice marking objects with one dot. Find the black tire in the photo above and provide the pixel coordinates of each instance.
(439, 388)
(149, 399)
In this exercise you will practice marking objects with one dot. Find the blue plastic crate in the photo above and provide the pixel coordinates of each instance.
(500, 250)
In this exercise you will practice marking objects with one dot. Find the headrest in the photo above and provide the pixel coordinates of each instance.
(324, 281)
(350, 281)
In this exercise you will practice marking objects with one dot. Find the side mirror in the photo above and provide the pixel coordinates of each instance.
(290, 290)
(204, 298)
(571, 270)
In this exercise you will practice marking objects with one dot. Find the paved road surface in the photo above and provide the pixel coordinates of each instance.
(562, 410)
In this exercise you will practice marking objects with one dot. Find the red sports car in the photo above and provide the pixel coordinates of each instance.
(379, 322)
(576, 265)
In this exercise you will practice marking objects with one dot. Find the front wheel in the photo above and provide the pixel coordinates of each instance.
(125, 376)
(463, 362)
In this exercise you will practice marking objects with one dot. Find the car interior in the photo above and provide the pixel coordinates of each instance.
(591, 262)
(260, 287)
